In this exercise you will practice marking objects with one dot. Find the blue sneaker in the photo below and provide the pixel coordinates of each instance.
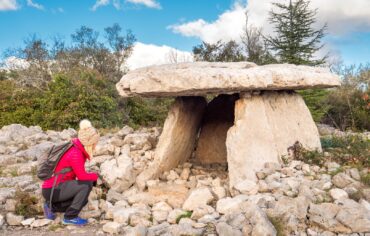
(74, 221)
(48, 213)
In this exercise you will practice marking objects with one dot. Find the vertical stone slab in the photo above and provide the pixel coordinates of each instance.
(250, 142)
(265, 126)
(178, 137)
(217, 120)
(290, 121)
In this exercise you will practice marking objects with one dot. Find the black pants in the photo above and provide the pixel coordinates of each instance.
(69, 197)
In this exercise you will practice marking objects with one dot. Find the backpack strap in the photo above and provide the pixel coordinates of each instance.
(56, 175)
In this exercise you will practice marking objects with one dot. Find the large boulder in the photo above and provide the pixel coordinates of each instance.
(177, 140)
(265, 126)
(118, 172)
(201, 78)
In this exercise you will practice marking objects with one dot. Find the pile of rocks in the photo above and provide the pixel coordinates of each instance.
(191, 199)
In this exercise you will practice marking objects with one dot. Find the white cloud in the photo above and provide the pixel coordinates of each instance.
(35, 5)
(8, 5)
(150, 54)
(100, 3)
(148, 3)
(117, 3)
(342, 16)
(228, 26)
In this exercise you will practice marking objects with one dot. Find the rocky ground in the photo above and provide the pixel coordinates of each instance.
(289, 199)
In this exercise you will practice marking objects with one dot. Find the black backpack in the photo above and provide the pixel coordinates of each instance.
(49, 161)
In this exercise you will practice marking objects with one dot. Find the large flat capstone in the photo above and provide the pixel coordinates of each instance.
(201, 78)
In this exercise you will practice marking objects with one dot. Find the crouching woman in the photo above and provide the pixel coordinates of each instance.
(72, 189)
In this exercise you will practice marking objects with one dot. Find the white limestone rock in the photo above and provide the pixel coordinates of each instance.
(198, 197)
(112, 228)
(13, 219)
(201, 78)
(337, 193)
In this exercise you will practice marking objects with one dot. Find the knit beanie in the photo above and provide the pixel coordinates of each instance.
(88, 136)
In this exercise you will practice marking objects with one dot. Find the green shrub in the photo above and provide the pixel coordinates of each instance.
(147, 112)
(352, 150)
(73, 96)
(67, 99)
(349, 150)
(315, 100)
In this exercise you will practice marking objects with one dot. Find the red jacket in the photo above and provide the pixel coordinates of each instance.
(75, 158)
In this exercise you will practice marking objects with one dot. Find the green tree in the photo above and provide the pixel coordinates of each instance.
(220, 51)
(295, 40)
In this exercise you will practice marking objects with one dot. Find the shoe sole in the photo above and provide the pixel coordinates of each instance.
(65, 223)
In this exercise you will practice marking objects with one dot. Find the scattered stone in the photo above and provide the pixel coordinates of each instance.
(13, 219)
(324, 215)
(355, 174)
(10, 205)
(332, 166)
(2, 221)
(174, 214)
(341, 180)
(138, 230)
(247, 187)
(337, 193)
(354, 216)
(226, 230)
(229, 205)
(28, 221)
(198, 197)
(41, 223)
(112, 228)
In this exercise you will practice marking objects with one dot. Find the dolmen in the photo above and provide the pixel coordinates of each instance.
(253, 118)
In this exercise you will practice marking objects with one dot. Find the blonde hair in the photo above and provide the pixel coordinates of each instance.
(88, 136)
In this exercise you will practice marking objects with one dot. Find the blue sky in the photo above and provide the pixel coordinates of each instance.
(175, 23)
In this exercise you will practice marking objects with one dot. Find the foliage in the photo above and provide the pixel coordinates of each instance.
(348, 150)
(67, 99)
(351, 150)
(147, 112)
(349, 105)
(26, 205)
(296, 41)
(220, 51)
(315, 100)
(86, 51)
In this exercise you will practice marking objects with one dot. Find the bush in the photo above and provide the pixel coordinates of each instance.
(147, 112)
(73, 96)
(349, 105)
(67, 99)
(316, 102)
(351, 150)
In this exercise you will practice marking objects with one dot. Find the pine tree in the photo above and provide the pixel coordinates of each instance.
(296, 41)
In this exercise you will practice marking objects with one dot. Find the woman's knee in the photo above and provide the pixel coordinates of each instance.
(86, 185)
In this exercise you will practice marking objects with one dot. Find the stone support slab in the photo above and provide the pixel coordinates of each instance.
(178, 137)
(265, 126)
